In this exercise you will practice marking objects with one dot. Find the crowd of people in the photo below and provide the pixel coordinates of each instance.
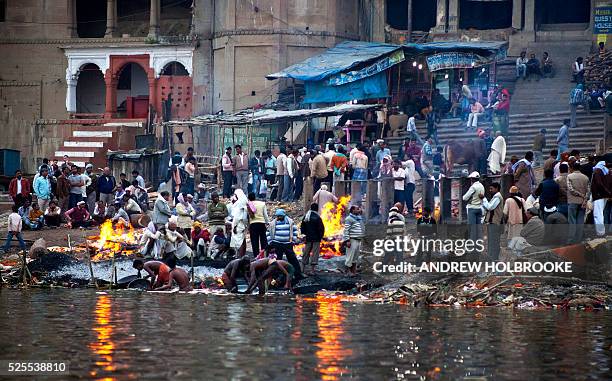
(64, 194)
(572, 193)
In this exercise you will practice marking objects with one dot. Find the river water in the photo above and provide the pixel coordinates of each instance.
(125, 335)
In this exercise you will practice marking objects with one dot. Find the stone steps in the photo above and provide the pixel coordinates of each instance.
(522, 129)
(88, 140)
(550, 94)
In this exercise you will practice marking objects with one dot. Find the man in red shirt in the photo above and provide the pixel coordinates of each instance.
(78, 217)
(20, 189)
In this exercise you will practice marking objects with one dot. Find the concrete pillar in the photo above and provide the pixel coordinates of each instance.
(72, 16)
(409, 22)
(111, 19)
(378, 14)
(529, 16)
(441, 17)
(517, 14)
(453, 16)
(154, 20)
(71, 83)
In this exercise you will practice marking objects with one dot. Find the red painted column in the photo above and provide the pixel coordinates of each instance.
(153, 92)
(111, 95)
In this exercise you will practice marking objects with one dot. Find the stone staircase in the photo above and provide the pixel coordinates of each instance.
(548, 94)
(88, 141)
(522, 129)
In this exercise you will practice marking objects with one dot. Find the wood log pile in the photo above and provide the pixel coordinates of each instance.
(598, 67)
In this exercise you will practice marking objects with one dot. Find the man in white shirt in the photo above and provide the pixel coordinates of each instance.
(281, 171)
(473, 197)
(412, 131)
(410, 186)
(399, 175)
(494, 217)
(227, 169)
(497, 157)
(328, 155)
(521, 65)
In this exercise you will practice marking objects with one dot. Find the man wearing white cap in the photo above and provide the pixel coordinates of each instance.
(78, 217)
(473, 197)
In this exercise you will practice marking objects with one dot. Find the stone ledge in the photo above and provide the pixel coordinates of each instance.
(18, 84)
(295, 32)
(163, 40)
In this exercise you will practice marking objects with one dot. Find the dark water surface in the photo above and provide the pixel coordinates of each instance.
(129, 335)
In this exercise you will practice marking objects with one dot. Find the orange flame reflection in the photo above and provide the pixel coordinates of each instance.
(331, 353)
(103, 347)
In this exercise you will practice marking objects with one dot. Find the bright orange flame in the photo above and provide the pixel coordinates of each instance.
(332, 215)
(112, 238)
(331, 353)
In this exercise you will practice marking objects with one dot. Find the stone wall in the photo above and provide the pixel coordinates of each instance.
(250, 41)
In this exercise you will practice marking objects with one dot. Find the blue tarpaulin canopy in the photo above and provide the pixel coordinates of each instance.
(335, 60)
(370, 82)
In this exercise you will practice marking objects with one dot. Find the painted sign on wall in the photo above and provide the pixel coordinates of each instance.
(602, 22)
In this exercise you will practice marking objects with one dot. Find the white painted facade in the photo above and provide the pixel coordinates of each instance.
(159, 57)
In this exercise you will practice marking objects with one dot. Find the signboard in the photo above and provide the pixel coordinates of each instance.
(381, 65)
(455, 60)
(602, 22)
(259, 137)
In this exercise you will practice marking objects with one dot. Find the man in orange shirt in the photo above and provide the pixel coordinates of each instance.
(339, 163)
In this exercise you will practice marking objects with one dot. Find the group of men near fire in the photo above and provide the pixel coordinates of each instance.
(182, 211)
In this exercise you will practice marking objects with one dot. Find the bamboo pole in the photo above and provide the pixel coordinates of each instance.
(91, 273)
(192, 269)
(112, 272)
(24, 268)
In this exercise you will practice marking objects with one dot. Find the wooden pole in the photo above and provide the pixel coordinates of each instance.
(24, 268)
(192, 269)
(112, 272)
(91, 273)
(325, 131)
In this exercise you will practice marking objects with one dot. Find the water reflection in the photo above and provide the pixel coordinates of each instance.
(119, 335)
(331, 354)
(103, 347)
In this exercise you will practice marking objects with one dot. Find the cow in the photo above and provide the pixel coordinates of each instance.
(468, 152)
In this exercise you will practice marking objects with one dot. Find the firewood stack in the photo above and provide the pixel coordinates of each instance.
(598, 67)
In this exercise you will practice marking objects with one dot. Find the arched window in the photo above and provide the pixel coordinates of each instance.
(174, 68)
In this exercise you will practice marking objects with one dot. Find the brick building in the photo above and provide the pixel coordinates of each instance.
(83, 76)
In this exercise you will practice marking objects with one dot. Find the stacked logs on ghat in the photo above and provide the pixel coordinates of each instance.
(598, 67)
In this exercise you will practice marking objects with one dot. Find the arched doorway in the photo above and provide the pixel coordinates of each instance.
(90, 90)
(132, 92)
(576, 13)
(174, 91)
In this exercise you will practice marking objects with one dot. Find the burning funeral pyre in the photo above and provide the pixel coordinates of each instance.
(333, 219)
(110, 242)
(122, 240)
